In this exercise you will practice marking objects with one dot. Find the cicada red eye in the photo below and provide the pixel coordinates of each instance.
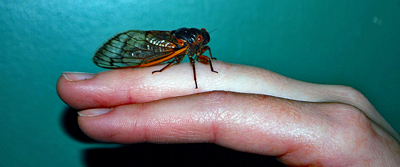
(199, 38)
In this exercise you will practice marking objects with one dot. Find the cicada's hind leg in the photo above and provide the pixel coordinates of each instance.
(177, 60)
(204, 59)
(169, 64)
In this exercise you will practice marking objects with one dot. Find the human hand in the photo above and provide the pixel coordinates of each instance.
(253, 110)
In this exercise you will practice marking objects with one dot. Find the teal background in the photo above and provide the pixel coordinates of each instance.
(346, 42)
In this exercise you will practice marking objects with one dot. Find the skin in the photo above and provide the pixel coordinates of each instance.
(243, 108)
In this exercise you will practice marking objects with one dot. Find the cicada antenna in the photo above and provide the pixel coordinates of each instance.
(212, 30)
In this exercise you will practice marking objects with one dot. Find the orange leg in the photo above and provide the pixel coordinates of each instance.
(204, 59)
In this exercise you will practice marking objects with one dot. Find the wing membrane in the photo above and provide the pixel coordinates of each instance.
(137, 48)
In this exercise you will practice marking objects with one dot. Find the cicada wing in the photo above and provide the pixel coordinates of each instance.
(135, 48)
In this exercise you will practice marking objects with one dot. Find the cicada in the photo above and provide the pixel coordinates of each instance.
(135, 48)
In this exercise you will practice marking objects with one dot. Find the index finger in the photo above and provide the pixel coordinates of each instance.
(126, 86)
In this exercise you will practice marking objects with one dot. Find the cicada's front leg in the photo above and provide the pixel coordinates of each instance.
(204, 59)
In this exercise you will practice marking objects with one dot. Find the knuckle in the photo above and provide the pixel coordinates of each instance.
(350, 119)
(351, 95)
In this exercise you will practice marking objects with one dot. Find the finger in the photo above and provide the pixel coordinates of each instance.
(116, 87)
(297, 132)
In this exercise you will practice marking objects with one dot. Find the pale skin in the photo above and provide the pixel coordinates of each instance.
(241, 107)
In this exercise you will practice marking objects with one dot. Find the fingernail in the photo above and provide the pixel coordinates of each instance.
(77, 76)
(94, 112)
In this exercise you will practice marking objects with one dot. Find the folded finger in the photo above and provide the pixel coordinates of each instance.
(297, 132)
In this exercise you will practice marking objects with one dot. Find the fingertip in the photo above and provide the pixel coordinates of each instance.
(94, 112)
(72, 88)
(77, 76)
(118, 125)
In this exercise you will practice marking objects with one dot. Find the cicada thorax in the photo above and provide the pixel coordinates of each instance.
(133, 49)
(194, 38)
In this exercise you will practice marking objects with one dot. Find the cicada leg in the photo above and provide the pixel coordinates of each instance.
(204, 59)
(177, 60)
(169, 64)
(194, 70)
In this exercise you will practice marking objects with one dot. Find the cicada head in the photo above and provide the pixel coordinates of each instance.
(192, 36)
(206, 36)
